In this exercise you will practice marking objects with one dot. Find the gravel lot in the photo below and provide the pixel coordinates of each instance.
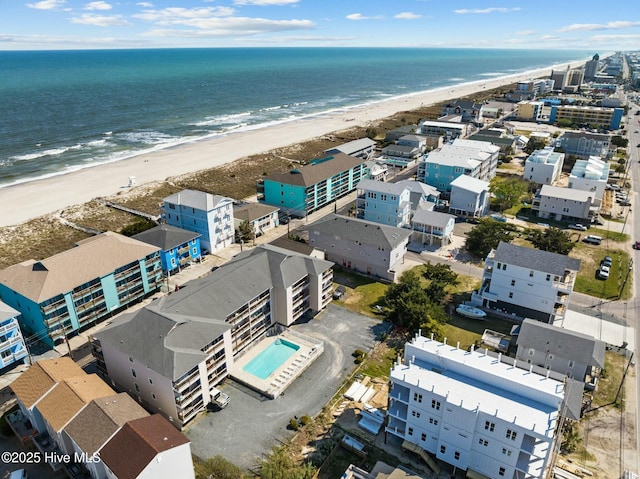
(251, 425)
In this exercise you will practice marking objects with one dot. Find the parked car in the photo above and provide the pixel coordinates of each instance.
(603, 273)
(593, 239)
(283, 218)
(613, 187)
(578, 227)
(607, 261)
(624, 202)
(339, 292)
(636, 245)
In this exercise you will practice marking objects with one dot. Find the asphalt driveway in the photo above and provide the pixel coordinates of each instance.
(251, 425)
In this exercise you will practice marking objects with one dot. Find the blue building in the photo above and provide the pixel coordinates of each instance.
(209, 215)
(73, 290)
(384, 203)
(12, 346)
(304, 190)
(178, 248)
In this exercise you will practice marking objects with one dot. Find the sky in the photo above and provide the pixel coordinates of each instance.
(541, 24)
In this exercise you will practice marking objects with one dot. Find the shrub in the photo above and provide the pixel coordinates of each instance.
(293, 424)
(358, 353)
(304, 420)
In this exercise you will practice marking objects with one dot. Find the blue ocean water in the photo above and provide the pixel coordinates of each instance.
(65, 110)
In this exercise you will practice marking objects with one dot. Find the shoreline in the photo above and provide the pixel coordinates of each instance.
(44, 196)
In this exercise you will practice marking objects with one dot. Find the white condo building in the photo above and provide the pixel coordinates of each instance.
(473, 411)
(527, 282)
(543, 166)
(590, 175)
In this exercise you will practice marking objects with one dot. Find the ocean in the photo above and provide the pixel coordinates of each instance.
(65, 110)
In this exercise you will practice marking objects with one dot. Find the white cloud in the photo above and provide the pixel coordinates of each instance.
(549, 38)
(97, 6)
(100, 20)
(526, 32)
(487, 10)
(606, 38)
(407, 16)
(228, 26)
(168, 16)
(598, 26)
(264, 2)
(47, 4)
(359, 16)
(145, 4)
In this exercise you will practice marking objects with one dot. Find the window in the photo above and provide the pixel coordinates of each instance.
(513, 282)
(410, 431)
(531, 274)
(443, 449)
(133, 372)
(506, 452)
(153, 395)
(501, 471)
(433, 421)
(511, 434)
(415, 413)
(504, 267)
(456, 455)
(423, 437)
(483, 442)
(137, 387)
(150, 381)
(6, 353)
(417, 397)
(548, 277)
(571, 364)
(435, 405)
(489, 426)
(130, 359)
(511, 294)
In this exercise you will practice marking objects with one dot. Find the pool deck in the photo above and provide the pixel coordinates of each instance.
(274, 385)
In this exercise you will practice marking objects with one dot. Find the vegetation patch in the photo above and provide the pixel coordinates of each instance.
(617, 285)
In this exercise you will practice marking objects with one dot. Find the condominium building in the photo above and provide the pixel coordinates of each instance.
(12, 345)
(170, 354)
(73, 290)
(304, 190)
(600, 117)
(209, 215)
(363, 148)
(474, 411)
(566, 204)
(529, 110)
(543, 166)
(527, 283)
(590, 175)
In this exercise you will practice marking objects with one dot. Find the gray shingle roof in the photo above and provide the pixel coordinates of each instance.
(311, 174)
(361, 230)
(432, 218)
(166, 237)
(535, 259)
(561, 342)
(252, 211)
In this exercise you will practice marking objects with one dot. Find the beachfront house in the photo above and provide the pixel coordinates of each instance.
(12, 345)
(178, 248)
(170, 354)
(527, 283)
(363, 148)
(470, 111)
(432, 227)
(394, 135)
(384, 203)
(476, 159)
(73, 290)
(304, 190)
(543, 166)
(565, 204)
(363, 246)
(148, 448)
(469, 197)
(261, 217)
(209, 215)
(569, 353)
(445, 130)
(475, 412)
(590, 175)
(584, 144)
(378, 171)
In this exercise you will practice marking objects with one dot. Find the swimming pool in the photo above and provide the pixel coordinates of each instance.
(265, 363)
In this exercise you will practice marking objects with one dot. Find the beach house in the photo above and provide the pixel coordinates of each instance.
(432, 227)
(470, 111)
(73, 290)
(363, 148)
(476, 411)
(384, 203)
(170, 354)
(566, 204)
(405, 151)
(584, 144)
(178, 248)
(304, 190)
(209, 215)
(469, 197)
(527, 283)
(447, 130)
(363, 246)
(12, 345)
(543, 166)
(261, 217)
(590, 175)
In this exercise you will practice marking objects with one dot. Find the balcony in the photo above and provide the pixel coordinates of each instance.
(48, 448)
(21, 426)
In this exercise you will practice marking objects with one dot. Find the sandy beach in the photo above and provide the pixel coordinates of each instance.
(33, 199)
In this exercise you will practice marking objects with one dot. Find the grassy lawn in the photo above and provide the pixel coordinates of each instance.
(612, 235)
(363, 293)
(469, 331)
(614, 365)
(586, 282)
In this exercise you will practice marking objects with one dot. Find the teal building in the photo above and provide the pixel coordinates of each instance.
(73, 290)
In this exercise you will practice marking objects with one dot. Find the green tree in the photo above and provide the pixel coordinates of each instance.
(246, 232)
(619, 141)
(486, 236)
(507, 193)
(534, 144)
(439, 276)
(552, 239)
(280, 465)
(137, 227)
(217, 467)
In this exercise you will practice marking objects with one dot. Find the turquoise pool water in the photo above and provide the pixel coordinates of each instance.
(271, 358)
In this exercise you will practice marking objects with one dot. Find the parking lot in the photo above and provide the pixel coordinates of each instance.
(251, 425)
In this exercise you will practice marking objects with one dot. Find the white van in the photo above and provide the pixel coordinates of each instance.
(593, 239)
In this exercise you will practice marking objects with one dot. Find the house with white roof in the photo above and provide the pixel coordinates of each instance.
(203, 213)
(363, 148)
(543, 166)
(367, 247)
(377, 170)
(475, 411)
(527, 283)
(469, 197)
(446, 129)
(565, 204)
(590, 175)
(384, 203)
(476, 159)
